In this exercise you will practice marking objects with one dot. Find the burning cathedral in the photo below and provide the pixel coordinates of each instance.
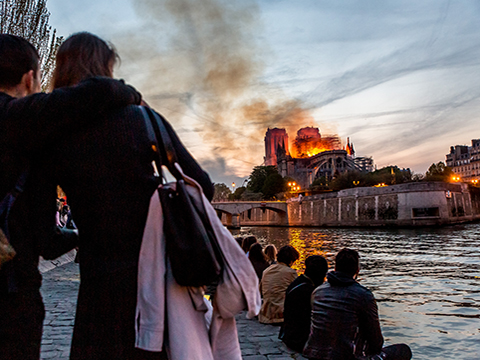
(311, 156)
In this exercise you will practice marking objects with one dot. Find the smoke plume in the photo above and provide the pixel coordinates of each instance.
(200, 63)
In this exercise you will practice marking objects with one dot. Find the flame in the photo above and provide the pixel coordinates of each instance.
(308, 147)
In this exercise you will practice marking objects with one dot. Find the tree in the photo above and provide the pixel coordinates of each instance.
(29, 19)
(438, 172)
(237, 195)
(222, 192)
(274, 184)
(348, 179)
(258, 176)
(320, 183)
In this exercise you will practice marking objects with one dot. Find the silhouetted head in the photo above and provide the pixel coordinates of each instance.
(256, 253)
(81, 56)
(248, 242)
(287, 255)
(19, 66)
(347, 261)
(316, 267)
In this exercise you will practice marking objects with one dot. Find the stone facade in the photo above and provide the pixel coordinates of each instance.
(465, 161)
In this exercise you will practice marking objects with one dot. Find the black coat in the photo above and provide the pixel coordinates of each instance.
(27, 126)
(345, 321)
(297, 313)
(107, 175)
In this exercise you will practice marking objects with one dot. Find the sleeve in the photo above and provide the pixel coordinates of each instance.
(35, 120)
(370, 326)
(189, 165)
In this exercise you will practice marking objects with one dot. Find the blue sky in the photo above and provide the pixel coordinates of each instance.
(400, 78)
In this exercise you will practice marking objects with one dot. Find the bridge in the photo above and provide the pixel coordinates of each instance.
(235, 211)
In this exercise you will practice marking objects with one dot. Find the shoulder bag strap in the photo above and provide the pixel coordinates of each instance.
(161, 133)
(151, 133)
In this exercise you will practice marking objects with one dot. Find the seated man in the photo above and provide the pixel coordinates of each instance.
(297, 310)
(345, 323)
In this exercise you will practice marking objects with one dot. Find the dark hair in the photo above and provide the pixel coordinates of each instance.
(287, 255)
(248, 242)
(256, 253)
(81, 56)
(316, 268)
(347, 261)
(270, 252)
(239, 240)
(17, 57)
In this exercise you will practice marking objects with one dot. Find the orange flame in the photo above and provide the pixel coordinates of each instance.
(308, 147)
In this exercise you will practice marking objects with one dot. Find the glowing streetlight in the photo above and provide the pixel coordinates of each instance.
(233, 186)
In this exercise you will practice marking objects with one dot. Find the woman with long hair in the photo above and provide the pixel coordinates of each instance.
(107, 173)
(270, 252)
(257, 258)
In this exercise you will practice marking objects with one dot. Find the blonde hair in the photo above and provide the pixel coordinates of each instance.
(270, 252)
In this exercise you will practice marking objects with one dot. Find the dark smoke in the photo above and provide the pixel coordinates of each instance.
(201, 61)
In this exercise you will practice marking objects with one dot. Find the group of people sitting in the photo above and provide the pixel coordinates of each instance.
(336, 319)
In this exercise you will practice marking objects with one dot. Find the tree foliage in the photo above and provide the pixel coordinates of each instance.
(438, 172)
(222, 192)
(389, 175)
(274, 184)
(29, 19)
(237, 195)
(258, 177)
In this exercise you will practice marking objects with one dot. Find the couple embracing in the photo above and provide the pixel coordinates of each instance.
(86, 138)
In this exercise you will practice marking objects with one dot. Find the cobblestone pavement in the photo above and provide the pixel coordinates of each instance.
(59, 290)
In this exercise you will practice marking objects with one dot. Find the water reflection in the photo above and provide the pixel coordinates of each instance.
(426, 281)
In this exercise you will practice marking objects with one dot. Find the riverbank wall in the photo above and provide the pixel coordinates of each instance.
(410, 204)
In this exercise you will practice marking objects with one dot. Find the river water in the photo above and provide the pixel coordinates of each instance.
(426, 281)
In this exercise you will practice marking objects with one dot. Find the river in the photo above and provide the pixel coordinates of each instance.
(426, 280)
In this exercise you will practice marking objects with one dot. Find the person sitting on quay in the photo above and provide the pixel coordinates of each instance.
(248, 242)
(270, 252)
(257, 258)
(345, 324)
(297, 311)
(274, 283)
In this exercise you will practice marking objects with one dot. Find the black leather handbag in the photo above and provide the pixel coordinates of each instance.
(191, 245)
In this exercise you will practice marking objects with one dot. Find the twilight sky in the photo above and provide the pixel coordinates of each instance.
(400, 78)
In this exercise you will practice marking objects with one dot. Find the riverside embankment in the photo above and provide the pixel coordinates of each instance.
(402, 205)
(59, 290)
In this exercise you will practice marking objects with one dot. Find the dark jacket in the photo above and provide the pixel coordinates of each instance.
(259, 267)
(106, 172)
(344, 321)
(27, 126)
(297, 313)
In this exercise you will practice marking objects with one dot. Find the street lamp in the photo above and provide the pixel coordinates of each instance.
(233, 186)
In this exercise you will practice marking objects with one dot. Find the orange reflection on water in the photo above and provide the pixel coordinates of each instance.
(306, 247)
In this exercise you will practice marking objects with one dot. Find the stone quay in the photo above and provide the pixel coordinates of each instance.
(59, 290)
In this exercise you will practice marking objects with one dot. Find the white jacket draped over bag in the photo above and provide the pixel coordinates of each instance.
(163, 304)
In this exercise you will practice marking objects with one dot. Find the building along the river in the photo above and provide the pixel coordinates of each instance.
(409, 204)
(465, 161)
